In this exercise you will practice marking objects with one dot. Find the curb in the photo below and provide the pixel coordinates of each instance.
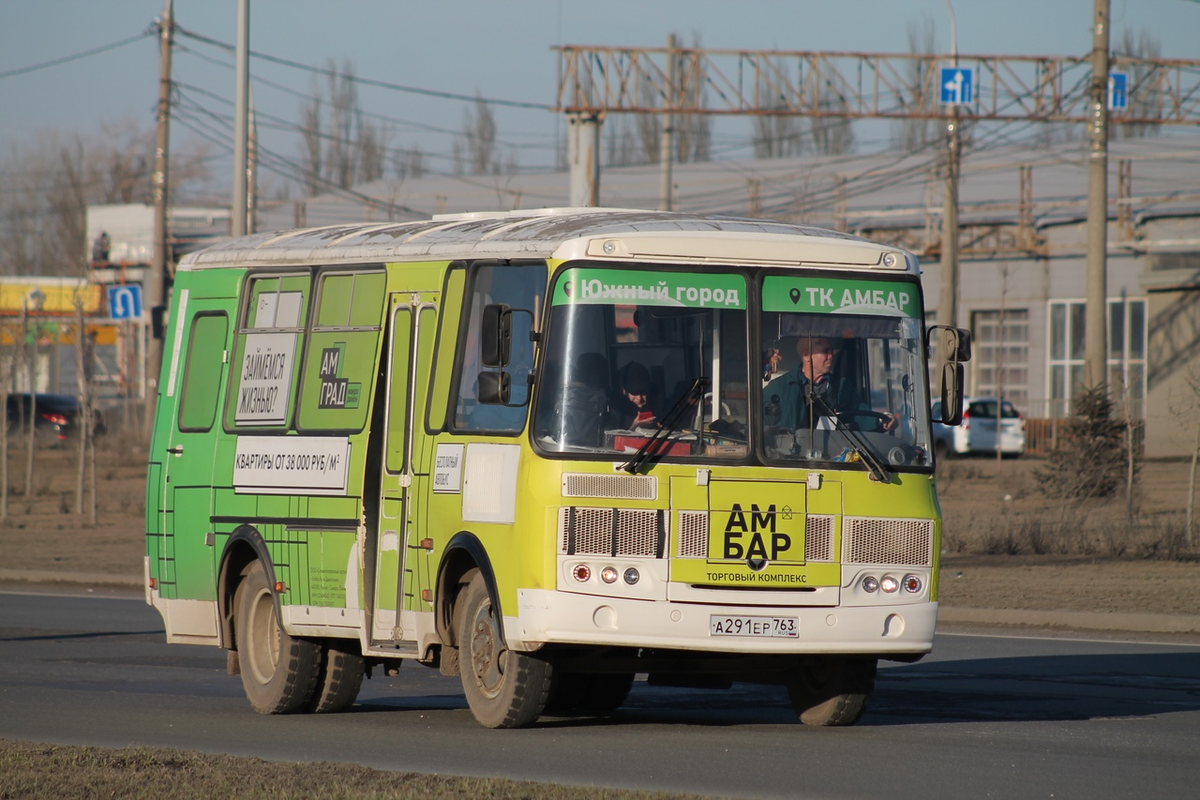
(1079, 620)
(52, 576)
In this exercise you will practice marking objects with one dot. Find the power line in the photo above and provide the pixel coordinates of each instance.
(85, 54)
(367, 81)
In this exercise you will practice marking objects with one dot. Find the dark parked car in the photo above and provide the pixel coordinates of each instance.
(57, 416)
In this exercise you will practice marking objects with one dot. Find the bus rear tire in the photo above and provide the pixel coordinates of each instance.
(339, 679)
(504, 688)
(279, 672)
(832, 690)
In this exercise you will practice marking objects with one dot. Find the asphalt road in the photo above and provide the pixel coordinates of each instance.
(984, 716)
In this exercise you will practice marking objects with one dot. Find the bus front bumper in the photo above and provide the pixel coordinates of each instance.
(549, 617)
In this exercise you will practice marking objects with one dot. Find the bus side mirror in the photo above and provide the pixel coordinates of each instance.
(952, 394)
(495, 341)
(954, 348)
(494, 388)
(955, 343)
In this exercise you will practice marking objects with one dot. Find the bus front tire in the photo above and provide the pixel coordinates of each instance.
(832, 690)
(279, 672)
(504, 688)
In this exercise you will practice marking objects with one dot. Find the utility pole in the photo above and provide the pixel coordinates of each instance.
(668, 131)
(948, 309)
(252, 171)
(156, 280)
(583, 156)
(1096, 313)
(241, 99)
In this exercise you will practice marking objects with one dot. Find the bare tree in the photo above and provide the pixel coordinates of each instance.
(777, 134)
(693, 132)
(341, 151)
(913, 134)
(649, 126)
(50, 180)
(476, 152)
(621, 142)
(832, 135)
(338, 146)
(312, 150)
(410, 162)
(1145, 100)
(372, 152)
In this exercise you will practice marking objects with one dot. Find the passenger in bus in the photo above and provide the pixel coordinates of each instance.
(581, 410)
(637, 401)
(786, 399)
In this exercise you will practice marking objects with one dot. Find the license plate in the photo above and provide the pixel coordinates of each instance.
(762, 627)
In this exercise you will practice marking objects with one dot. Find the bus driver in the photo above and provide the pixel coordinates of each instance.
(785, 400)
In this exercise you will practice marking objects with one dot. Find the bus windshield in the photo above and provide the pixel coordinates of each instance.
(635, 354)
(638, 354)
(844, 372)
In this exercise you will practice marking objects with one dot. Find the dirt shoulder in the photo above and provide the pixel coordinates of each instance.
(1005, 546)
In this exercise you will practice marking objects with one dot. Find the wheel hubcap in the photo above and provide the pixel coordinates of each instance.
(486, 654)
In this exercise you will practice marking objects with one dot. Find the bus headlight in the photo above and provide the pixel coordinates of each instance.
(870, 584)
(889, 584)
(582, 573)
(632, 576)
(609, 574)
(912, 583)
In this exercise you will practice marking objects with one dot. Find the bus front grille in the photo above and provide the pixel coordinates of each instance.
(610, 487)
(693, 534)
(903, 542)
(818, 538)
(611, 531)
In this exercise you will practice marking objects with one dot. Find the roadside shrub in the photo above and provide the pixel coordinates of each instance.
(1091, 458)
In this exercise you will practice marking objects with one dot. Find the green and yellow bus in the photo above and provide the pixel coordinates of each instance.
(549, 451)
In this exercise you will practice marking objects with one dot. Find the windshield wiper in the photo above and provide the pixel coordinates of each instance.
(879, 472)
(653, 447)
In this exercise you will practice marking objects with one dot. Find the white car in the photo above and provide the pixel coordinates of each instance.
(977, 433)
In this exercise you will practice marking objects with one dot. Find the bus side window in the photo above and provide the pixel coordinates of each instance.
(439, 389)
(520, 287)
(202, 373)
(339, 366)
(269, 341)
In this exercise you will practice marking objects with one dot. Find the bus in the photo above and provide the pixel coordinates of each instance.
(549, 451)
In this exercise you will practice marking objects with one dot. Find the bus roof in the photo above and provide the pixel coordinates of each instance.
(559, 233)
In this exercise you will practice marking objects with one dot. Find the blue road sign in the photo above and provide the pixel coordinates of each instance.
(125, 302)
(957, 85)
(1118, 91)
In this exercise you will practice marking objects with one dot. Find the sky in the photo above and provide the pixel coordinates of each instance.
(497, 49)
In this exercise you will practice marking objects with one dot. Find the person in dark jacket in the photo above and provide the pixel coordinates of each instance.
(636, 403)
(786, 399)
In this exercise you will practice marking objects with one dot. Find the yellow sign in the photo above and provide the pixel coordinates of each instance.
(58, 298)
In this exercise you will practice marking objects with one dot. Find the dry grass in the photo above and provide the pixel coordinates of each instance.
(30, 770)
(998, 510)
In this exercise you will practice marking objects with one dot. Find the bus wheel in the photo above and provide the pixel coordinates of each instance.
(279, 672)
(339, 679)
(504, 688)
(832, 690)
(588, 693)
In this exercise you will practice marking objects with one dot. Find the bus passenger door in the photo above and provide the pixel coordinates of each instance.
(196, 377)
(410, 327)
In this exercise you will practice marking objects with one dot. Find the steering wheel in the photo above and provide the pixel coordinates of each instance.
(884, 419)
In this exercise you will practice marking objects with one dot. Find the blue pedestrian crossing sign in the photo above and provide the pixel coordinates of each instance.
(957, 86)
(1118, 91)
(125, 302)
